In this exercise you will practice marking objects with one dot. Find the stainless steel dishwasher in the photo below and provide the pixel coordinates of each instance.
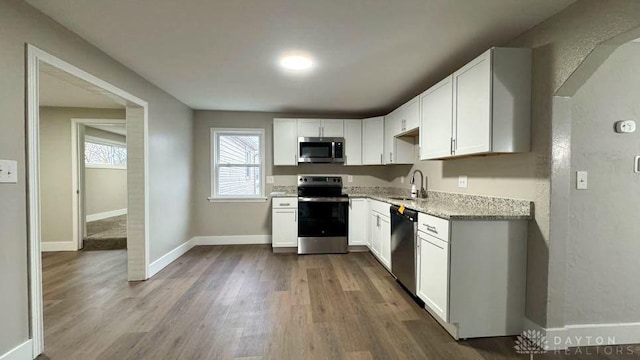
(404, 231)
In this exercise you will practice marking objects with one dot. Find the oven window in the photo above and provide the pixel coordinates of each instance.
(310, 150)
(322, 219)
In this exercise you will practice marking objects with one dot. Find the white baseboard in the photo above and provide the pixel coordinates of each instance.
(233, 240)
(23, 351)
(170, 257)
(46, 246)
(106, 215)
(570, 336)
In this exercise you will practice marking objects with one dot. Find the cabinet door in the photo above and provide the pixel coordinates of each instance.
(472, 106)
(376, 240)
(358, 220)
(385, 241)
(285, 142)
(390, 129)
(332, 128)
(353, 142)
(372, 140)
(309, 128)
(285, 228)
(436, 120)
(412, 114)
(433, 283)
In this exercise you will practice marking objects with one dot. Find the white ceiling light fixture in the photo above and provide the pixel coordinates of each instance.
(296, 62)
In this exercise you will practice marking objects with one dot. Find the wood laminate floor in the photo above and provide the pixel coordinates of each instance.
(232, 302)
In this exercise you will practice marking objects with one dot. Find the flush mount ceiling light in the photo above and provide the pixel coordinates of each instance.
(297, 62)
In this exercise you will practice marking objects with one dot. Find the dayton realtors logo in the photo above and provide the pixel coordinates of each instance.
(531, 342)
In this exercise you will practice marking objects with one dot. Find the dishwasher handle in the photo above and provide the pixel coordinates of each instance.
(410, 215)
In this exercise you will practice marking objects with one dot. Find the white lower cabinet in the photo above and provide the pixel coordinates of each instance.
(433, 277)
(284, 222)
(380, 232)
(472, 274)
(358, 220)
(385, 246)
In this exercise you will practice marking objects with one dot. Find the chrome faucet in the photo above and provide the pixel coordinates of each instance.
(422, 193)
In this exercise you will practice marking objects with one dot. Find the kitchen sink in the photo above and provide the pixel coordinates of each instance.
(404, 198)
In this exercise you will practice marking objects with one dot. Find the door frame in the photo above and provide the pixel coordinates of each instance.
(137, 179)
(78, 206)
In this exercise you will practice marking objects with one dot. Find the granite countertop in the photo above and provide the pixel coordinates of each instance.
(450, 206)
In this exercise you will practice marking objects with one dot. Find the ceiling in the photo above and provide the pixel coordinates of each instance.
(58, 88)
(371, 55)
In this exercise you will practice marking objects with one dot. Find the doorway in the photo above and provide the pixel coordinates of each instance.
(136, 115)
(99, 169)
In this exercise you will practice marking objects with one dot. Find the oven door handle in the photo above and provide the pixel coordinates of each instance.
(323, 199)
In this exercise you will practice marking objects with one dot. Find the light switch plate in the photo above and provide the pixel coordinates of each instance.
(462, 181)
(401, 179)
(581, 180)
(350, 178)
(8, 171)
(270, 180)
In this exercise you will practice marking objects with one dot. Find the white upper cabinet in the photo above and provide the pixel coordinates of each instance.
(353, 142)
(490, 106)
(285, 144)
(309, 128)
(472, 111)
(332, 128)
(390, 128)
(409, 116)
(436, 110)
(372, 140)
(320, 128)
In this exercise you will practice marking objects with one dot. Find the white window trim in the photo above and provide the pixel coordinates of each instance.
(107, 142)
(213, 165)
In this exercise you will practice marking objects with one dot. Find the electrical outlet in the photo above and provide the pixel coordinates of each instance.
(581, 180)
(462, 181)
(350, 178)
(401, 179)
(270, 180)
(8, 171)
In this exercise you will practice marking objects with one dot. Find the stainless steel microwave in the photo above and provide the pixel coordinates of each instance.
(320, 150)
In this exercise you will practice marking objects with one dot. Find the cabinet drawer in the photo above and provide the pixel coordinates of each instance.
(434, 226)
(285, 202)
(380, 207)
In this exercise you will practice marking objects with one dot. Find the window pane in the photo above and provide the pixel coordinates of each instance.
(239, 181)
(119, 156)
(103, 154)
(239, 149)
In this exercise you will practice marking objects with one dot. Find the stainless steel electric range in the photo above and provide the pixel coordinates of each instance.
(323, 215)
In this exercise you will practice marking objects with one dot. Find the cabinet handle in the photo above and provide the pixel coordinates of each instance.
(295, 216)
(295, 158)
(284, 204)
(431, 228)
(390, 157)
(381, 160)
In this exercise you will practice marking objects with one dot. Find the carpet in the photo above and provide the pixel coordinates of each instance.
(107, 234)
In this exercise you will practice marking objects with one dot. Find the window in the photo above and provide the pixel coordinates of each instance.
(99, 153)
(237, 170)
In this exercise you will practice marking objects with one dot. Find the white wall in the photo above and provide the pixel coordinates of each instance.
(604, 249)
(55, 167)
(170, 151)
(105, 190)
